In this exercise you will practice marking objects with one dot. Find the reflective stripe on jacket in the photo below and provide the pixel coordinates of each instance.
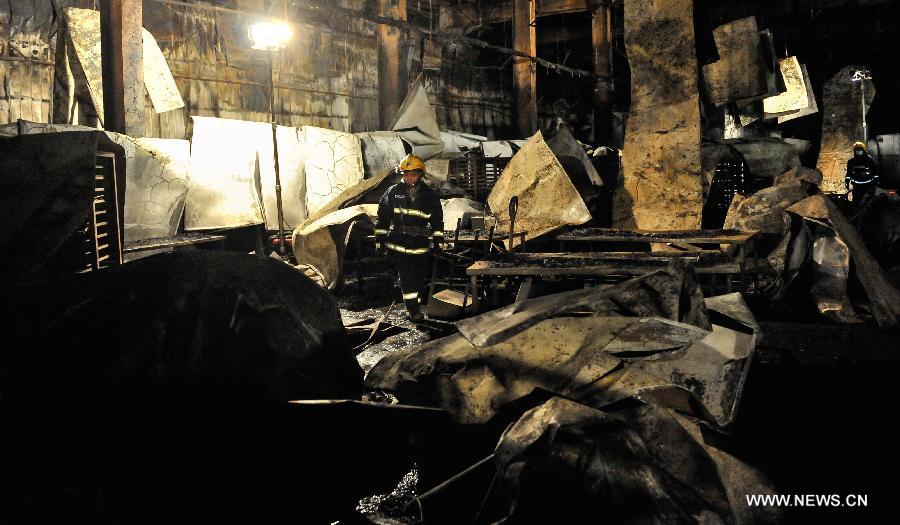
(407, 221)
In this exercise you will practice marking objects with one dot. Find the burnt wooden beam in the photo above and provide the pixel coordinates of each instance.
(556, 34)
(524, 68)
(392, 74)
(122, 52)
(498, 12)
(601, 40)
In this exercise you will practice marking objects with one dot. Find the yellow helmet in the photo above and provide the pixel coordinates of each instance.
(860, 145)
(411, 163)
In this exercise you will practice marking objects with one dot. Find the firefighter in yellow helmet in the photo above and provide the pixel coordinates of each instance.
(862, 174)
(410, 224)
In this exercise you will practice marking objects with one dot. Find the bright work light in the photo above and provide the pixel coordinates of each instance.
(268, 35)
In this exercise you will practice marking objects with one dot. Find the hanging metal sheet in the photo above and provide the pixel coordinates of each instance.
(795, 98)
(417, 123)
(158, 78)
(662, 187)
(811, 107)
(83, 27)
(739, 74)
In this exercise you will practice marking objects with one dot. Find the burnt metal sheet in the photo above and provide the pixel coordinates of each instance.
(382, 150)
(573, 158)
(562, 355)
(292, 172)
(671, 293)
(161, 87)
(83, 34)
(601, 359)
(564, 462)
(225, 156)
(884, 298)
(662, 186)
(547, 198)
(740, 71)
(416, 123)
(320, 249)
(795, 97)
(333, 164)
(764, 210)
(157, 185)
(830, 272)
(598, 359)
(811, 105)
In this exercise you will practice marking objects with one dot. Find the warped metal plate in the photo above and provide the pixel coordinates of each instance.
(382, 150)
(417, 123)
(333, 164)
(292, 172)
(547, 198)
(156, 187)
(795, 98)
(84, 37)
(158, 78)
(223, 191)
(811, 107)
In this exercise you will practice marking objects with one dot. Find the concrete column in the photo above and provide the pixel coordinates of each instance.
(524, 70)
(601, 38)
(392, 74)
(121, 22)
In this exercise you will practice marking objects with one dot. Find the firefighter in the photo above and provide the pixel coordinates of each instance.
(410, 224)
(862, 174)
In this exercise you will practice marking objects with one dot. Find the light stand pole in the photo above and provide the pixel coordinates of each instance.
(271, 36)
(281, 247)
(861, 75)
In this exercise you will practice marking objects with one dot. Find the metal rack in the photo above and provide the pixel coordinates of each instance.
(476, 174)
(102, 242)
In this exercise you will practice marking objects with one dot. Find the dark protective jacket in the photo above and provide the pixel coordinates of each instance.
(861, 171)
(408, 221)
